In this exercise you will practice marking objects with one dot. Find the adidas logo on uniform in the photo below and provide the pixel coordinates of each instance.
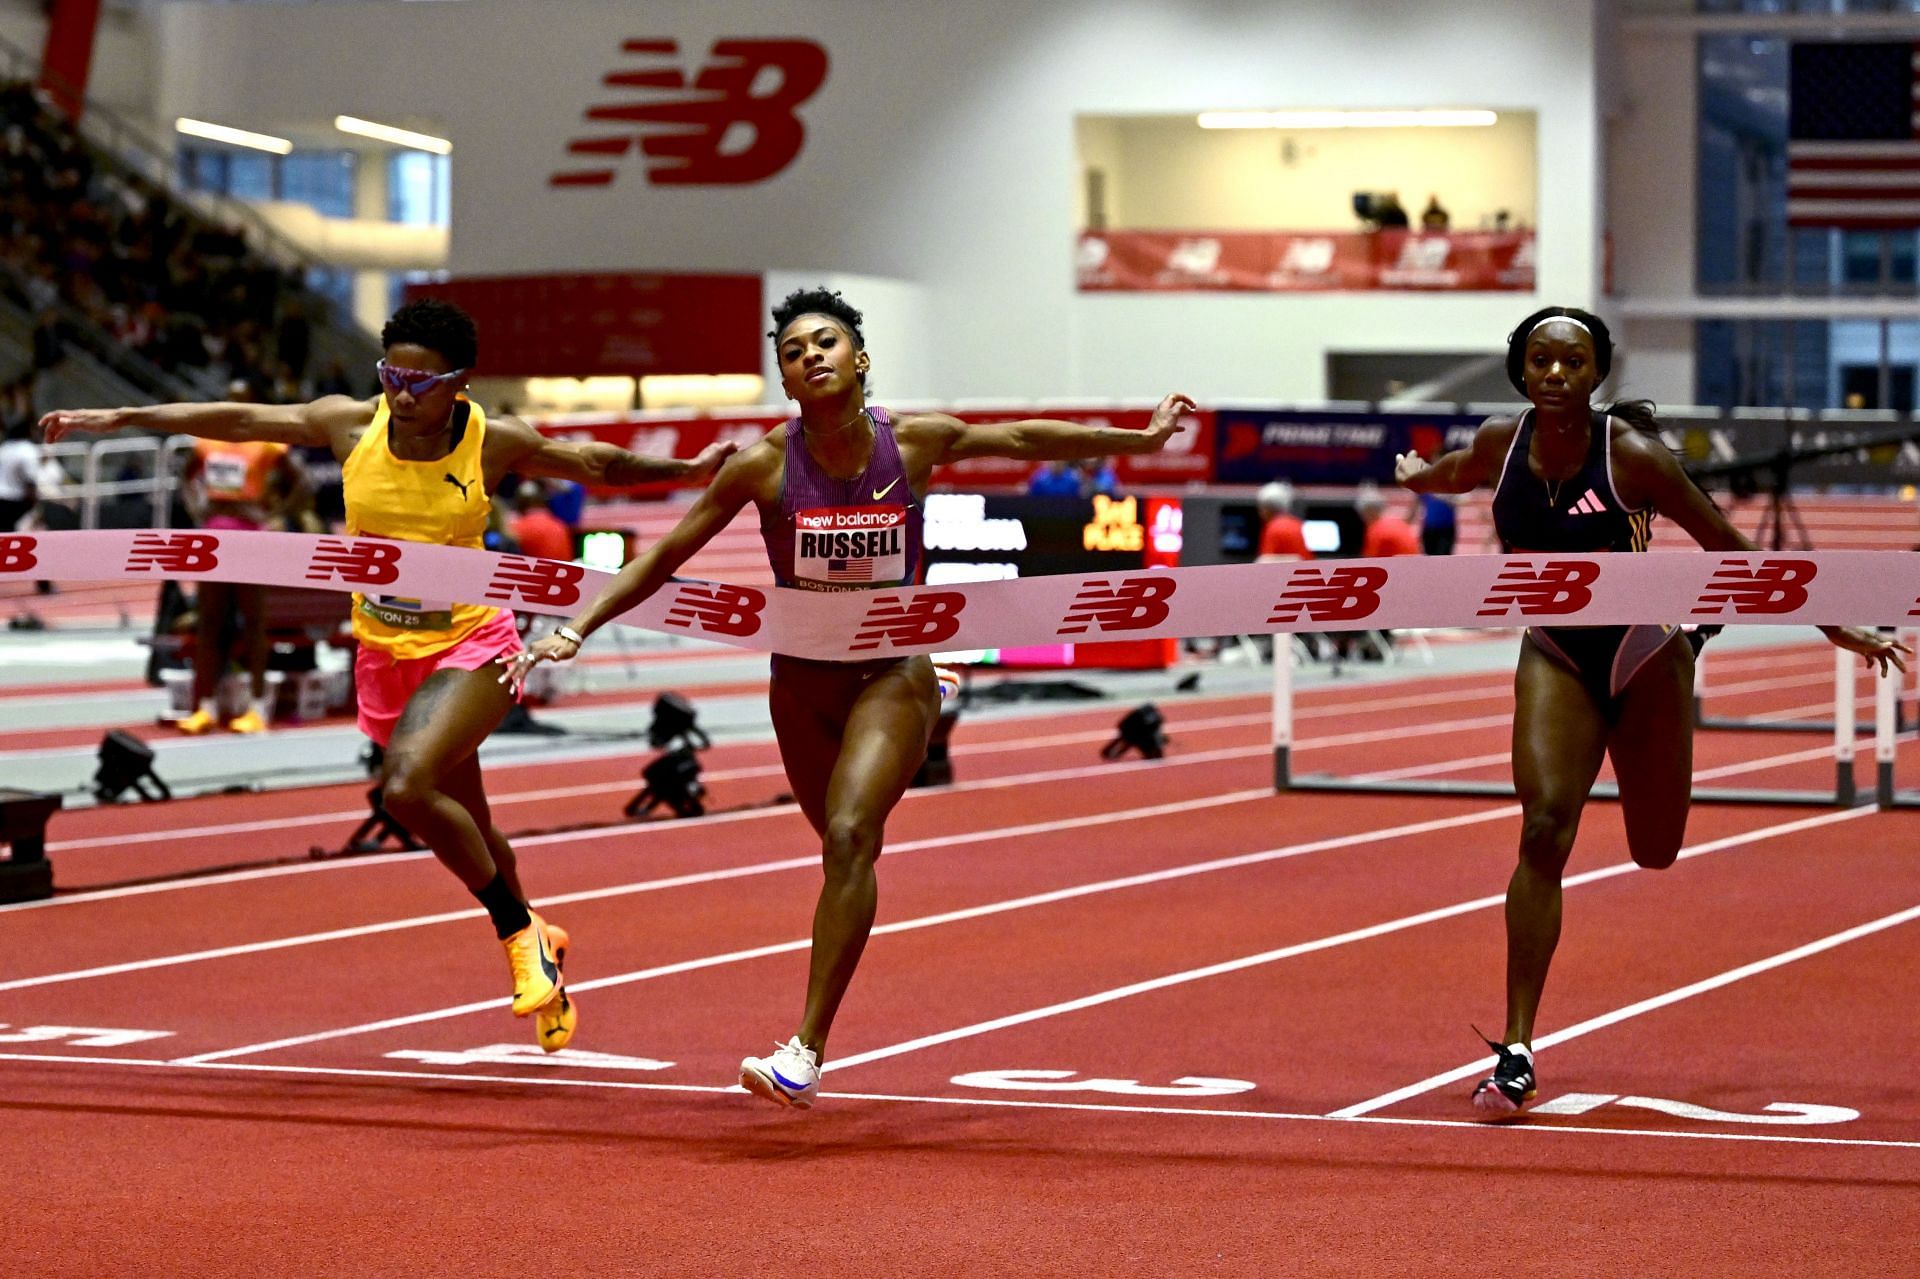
(1588, 505)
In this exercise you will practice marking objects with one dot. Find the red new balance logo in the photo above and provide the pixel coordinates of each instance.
(932, 617)
(1776, 586)
(16, 554)
(680, 129)
(1136, 604)
(173, 553)
(1556, 588)
(361, 563)
(536, 582)
(1337, 595)
(717, 609)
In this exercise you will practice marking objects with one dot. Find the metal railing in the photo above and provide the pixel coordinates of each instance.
(140, 466)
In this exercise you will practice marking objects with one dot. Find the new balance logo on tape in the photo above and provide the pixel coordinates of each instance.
(932, 617)
(540, 582)
(1134, 604)
(716, 609)
(16, 554)
(1555, 589)
(1775, 586)
(1329, 595)
(362, 563)
(170, 553)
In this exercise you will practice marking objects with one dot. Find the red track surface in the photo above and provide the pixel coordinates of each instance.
(1140, 924)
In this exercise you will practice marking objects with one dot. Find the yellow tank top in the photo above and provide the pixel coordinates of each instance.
(443, 501)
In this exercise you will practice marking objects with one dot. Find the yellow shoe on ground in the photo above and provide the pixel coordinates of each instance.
(251, 722)
(536, 975)
(201, 721)
(553, 1025)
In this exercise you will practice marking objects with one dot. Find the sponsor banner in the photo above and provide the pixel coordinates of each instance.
(1187, 458)
(1257, 445)
(625, 324)
(1762, 587)
(1304, 262)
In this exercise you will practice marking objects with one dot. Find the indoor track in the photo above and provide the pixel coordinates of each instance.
(1144, 1014)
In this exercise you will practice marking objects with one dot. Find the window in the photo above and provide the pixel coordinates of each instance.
(419, 188)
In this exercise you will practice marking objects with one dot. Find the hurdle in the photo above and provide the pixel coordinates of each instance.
(1844, 727)
(1905, 720)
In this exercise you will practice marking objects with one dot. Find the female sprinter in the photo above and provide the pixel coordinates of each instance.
(419, 464)
(1569, 479)
(851, 734)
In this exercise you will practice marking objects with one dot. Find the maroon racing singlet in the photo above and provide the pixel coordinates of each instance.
(844, 535)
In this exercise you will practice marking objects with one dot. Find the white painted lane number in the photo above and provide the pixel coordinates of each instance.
(1067, 1081)
(78, 1036)
(1778, 1112)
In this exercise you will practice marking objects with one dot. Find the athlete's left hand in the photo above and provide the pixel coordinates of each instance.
(1166, 419)
(1881, 652)
(708, 459)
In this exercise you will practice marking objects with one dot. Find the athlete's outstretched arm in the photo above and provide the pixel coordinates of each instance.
(527, 452)
(647, 572)
(1653, 477)
(304, 425)
(1462, 470)
(1045, 440)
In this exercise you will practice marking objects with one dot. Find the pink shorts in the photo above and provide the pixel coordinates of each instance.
(384, 683)
(233, 523)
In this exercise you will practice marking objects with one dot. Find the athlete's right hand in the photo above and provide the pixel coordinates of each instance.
(550, 648)
(1167, 419)
(1408, 465)
(61, 423)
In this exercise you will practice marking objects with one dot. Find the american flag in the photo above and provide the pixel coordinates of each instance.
(849, 570)
(1853, 149)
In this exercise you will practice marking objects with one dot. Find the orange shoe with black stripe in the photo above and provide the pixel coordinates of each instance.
(553, 1025)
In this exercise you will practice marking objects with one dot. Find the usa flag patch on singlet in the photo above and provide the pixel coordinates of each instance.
(850, 546)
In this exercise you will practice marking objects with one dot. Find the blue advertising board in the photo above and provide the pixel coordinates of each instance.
(1335, 447)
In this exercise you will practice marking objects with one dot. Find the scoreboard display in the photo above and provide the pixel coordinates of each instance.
(972, 537)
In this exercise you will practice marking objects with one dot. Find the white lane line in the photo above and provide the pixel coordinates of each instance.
(629, 889)
(901, 926)
(547, 1079)
(1306, 948)
(1727, 978)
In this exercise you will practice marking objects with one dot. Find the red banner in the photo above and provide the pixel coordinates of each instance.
(1187, 457)
(1296, 262)
(610, 324)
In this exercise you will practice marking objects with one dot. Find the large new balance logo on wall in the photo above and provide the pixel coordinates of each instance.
(735, 123)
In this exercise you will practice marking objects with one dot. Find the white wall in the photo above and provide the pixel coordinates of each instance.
(940, 154)
(1652, 182)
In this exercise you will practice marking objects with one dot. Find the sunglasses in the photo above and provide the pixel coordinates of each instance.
(413, 381)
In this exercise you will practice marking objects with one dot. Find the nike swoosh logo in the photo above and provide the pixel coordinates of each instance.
(546, 962)
(880, 493)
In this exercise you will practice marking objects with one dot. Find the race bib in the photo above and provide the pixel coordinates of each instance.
(224, 475)
(407, 615)
(851, 546)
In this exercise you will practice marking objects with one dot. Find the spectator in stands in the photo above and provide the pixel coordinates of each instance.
(48, 349)
(1434, 217)
(334, 381)
(1389, 214)
(1054, 479)
(1439, 522)
(1387, 534)
(1282, 535)
(19, 470)
(293, 344)
(538, 531)
(242, 485)
(1098, 476)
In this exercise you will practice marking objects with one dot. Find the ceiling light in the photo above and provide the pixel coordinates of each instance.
(388, 133)
(233, 137)
(1434, 119)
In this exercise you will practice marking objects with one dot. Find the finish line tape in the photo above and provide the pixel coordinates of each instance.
(1846, 588)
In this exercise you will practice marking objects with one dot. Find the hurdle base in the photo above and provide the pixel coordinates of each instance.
(1602, 790)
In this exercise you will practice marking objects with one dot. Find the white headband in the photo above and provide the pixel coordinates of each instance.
(1563, 319)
